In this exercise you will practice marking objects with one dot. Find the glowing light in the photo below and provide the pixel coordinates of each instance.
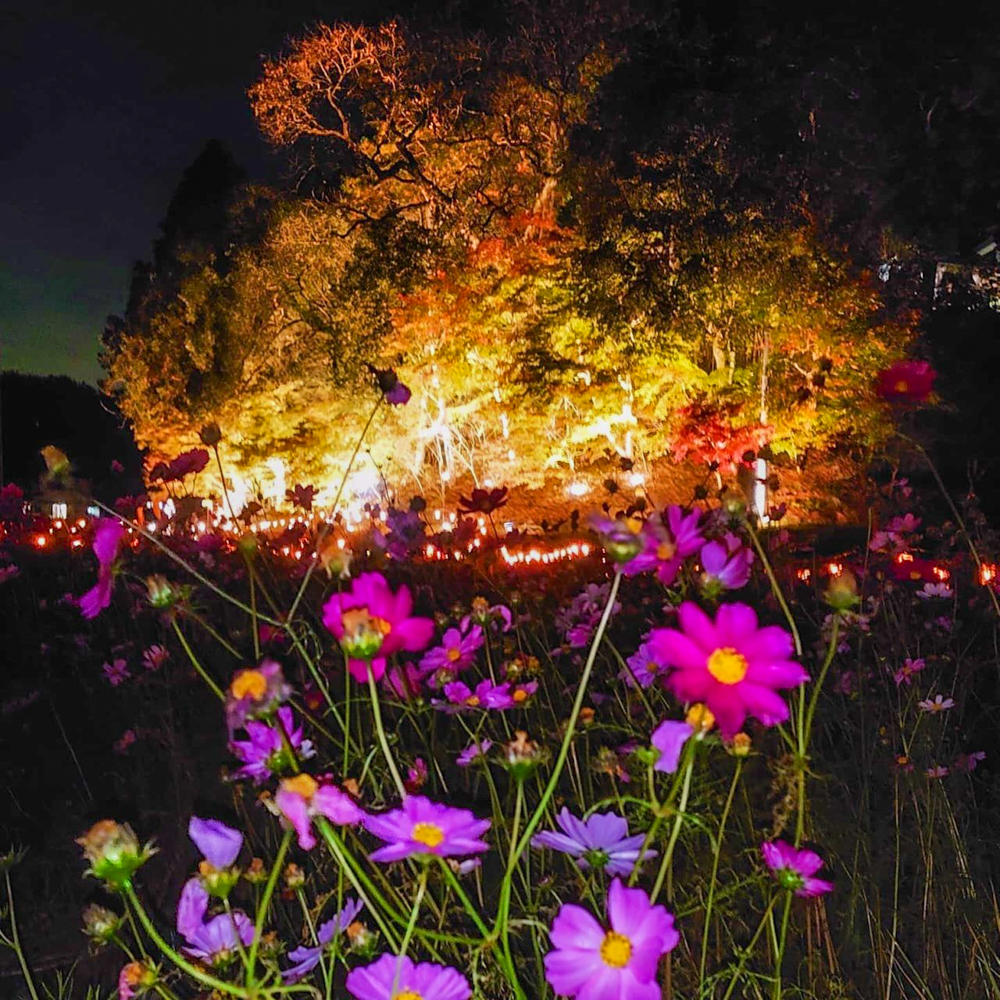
(987, 573)
(578, 489)
(941, 573)
(834, 568)
(804, 574)
(364, 482)
(636, 479)
(41, 541)
(904, 557)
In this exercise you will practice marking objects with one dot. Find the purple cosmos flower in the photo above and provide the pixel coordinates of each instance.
(938, 771)
(265, 752)
(725, 564)
(371, 623)
(398, 978)
(219, 844)
(905, 673)
(473, 752)
(255, 693)
(599, 841)
(302, 797)
(669, 738)
(935, 591)
(108, 535)
(487, 696)
(216, 939)
(498, 616)
(643, 669)
(116, 672)
(969, 762)
(730, 664)
(665, 546)
(794, 868)
(456, 652)
(307, 958)
(422, 827)
(938, 704)
(621, 962)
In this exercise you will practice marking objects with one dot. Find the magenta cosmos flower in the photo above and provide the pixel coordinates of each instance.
(108, 536)
(266, 750)
(730, 664)
(666, 543)
(371, 623)
(794, 868)
(725, 565)
(392, 977)
(301, 798)
(456, 652)
(600, 841)
(906, 382)
(595, 963)
(422, 827)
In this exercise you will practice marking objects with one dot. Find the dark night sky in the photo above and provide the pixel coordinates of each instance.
(103, 106)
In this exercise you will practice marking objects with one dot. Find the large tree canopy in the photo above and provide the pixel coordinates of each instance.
(567, 273)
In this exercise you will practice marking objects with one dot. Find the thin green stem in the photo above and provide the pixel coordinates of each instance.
(411, 924)
(748, 951)
(715, 872)
(380, 730)
(265, 902)
(15, 939)
(216, 690)
(676, 830)
(775, 588)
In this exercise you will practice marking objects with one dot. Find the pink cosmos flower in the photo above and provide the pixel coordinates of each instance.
(302, 797)
(905, 673)
(126, 740)
(392, 977)
(906, 382)
(116, 672)
(936, 704)
(371, 623)
(938, 771)
(212, 940)
(108, 536)
(730, 664)
(457, 650)
(794, 868)
(725, 564)
(473, 752)
(422, 827)
(266, 749)
(935, 591)
(665, 545)
(595, 963)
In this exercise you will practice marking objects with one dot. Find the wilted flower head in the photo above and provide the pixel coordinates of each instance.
(135, 978)
(100, 923)
(794, 868)
(114, 852)
(210, 435)
(394, 391)
(162, 593)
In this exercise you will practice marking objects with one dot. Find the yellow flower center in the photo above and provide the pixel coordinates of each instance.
(520, 694)
(358, 621)
(472, 701)
(616, 950)
(249, 684)
(727, 666)
(634, 524)
(700, 718)
(303, 784)
(665, 550)
(407, 995)
(429, 834)
(454, 654)
(902, 386)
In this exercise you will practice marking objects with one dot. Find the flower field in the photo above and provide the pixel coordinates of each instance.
(699, 758)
